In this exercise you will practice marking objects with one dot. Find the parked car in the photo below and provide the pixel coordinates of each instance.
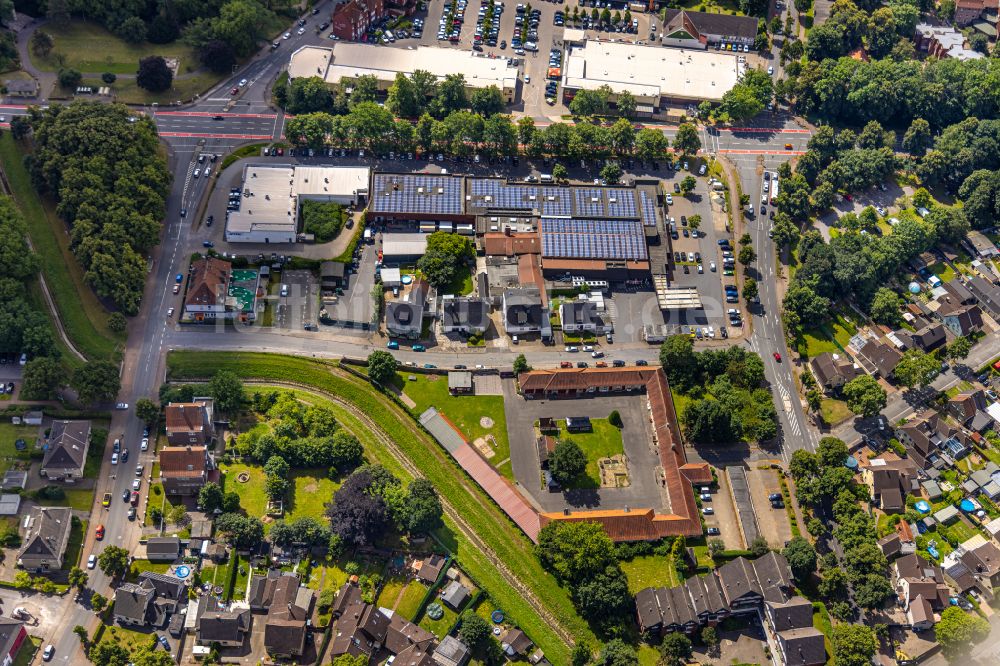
(713, 531)
(99, 532)
(92, 561)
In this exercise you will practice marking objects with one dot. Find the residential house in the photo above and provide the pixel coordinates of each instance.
(515, 643)
(430, 568)
(216, 624)
(800, 643)
(523, 312)
(12, 637)
(890, 481)
(287, 625)
(405, 318)
(351, 19)
(879, 356)
(66, 450)
(978, 244)
(982, 557)
(928, 338)
(163, 549)
(190, 423)
(151, 601)
(184, 469)
(466, 316)
(921, 589)
(832, 371)
(942, 41)
(22, 87)
(261, 589)
(987, 293)
(969, 409)
(46, 534)
(362, 629)
(960, 318)
(969, 11)
(739, 586)
(207, 294)
(581, 316)
(409, 642)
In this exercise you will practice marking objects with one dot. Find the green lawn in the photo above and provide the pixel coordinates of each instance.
(814, 342)
(184, 88)
(128, 638)
(464, 412)
(649, 571)
(91, 49)
(27, 652)
(77, 534)
(943, 271)
(139, 566)
(958, 532)
(834, 411)
(461, 284)
(10, 433)
(440, 628)
(495, 530)
(82, 315)
(402, 595)
(605, 440)
(76, 498)
(312, 491)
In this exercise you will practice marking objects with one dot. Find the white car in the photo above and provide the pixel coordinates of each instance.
(114, 458)
(136, 484)
(138, 469)
(670, 199)
(588, 348)
(572, 349)
(243, 83)
(770, 70)
(300, 31)
(197, 173)
(708, 511)
(121, 405)
(170, 312)
(49, 651)
(92, 561)
(711, 266)
(287, 35)
(145, 444)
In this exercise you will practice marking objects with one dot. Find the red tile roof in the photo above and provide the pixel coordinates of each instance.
(510, 245)
(209, 281)
(182, 460)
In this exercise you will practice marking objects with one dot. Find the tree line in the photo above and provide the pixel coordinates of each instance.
(110, 184)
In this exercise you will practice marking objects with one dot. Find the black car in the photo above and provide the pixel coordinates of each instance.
(774, 497)
(618, 363)
(581, 364)
(778, 505)
(218, 118)
(642, 362)
(677, 188)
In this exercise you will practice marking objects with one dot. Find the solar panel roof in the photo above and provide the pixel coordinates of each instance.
(497, 194)
(593, 239)
(417, 193)
(647, 209)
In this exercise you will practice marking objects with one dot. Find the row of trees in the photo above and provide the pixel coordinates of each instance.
(110, 183)
(730, 402)
(370, 126)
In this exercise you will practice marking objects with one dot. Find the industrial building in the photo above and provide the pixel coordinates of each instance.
(657, 77)
(269, 209)
(346, 61)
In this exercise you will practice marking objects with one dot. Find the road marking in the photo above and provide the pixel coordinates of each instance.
(205, 135)
(732, 151)
(769, 130)
(210, 114)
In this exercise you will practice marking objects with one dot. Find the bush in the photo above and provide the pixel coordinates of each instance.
(323, 219)
(615, 419)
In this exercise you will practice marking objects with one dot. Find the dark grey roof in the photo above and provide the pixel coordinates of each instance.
(524, 307)
(718, 24)
(161, 547)
(10, 629)
(796, 613)
(455, 594)
(452, 650)
(22, 85)
(47, 533)
(331, 269)
(132, 601)
(579, 312)
(217, 624)
(67, 447)
(803, 647)
(987, 293)
(465, 312)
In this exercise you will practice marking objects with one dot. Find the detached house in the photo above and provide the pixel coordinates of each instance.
(151, 601)
(832, 371)
(921, 589)
(969, 409)
(464, 315)
(45, 538)
(289, 607)
(405, 318)
(208, 290)
(184, 469)
(524, 313)
(190, 422)
(214, 624)
(890, 481)
(66, 450)
(582, 317)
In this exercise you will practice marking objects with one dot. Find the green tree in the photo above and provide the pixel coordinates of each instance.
(611, 173)
(81, 632)
(865, 396)
(615, 419)
(41, 43)
(710, 638)
(78, 577)
(154, 75)
(651, 144)
(959, 348)
(958, 631)
(801, 558)
(98, 602)
(227, 390)
(240, 531)
(446, 254)
(575, 552)
(626, 105)
(747, 255)
(108, 653)
(96, 381)
(617, 652)
(276, 481)
(559, 173)
(381, 366)
(567, 462)
(853, 644)
(132, 30)
(688, 183)
(487, 101)
(750, 289)
(310, 94)
(147, 411)
(211, 497)
(917, 369)
(885, 306)
(687, 141)
(40, 378)
(521, 364)
(473, 630)
(69, 78)
(694, 222)
(113, 560)
(918, 137)
(117, 322)
(710, 422)
(679, 361)
(675, 649)
(423, 507)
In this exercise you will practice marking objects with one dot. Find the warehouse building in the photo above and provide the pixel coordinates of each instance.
(269, 211)
(348, 61)
(656, 77)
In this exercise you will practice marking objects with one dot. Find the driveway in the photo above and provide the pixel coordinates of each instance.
(772, 523)
(637, 438)
(45, 609)
(725, 517)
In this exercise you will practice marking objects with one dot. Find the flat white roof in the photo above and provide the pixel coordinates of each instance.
(271, 204)
(350, 60)
(651, 71)
(404, 244)
(330, 181)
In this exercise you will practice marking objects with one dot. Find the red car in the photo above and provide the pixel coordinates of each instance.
(234, 91)
(777, 357)
(99, 533)
(135, 498)
(566, 364)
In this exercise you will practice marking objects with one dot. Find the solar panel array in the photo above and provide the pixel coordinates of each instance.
(621, 203)
(417, 193)
(593, 239)
(490, 193)
(589, 202)
(647, 209)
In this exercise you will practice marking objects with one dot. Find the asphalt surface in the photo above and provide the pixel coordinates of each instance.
(247, 116)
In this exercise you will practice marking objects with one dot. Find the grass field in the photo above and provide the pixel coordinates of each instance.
(501, 536)
(183, 88)
(834, 411)
(252, 496)
(82, 315)
(27, 652)
(139, 566)
(402, 595)
(464, 411)
(815, 342)
(77, 39)
(440, 628)
(309, 497)
(76, 498)
(649, 571)
(77, 535)
(605, 440)
(943, 271)
(10, 433)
